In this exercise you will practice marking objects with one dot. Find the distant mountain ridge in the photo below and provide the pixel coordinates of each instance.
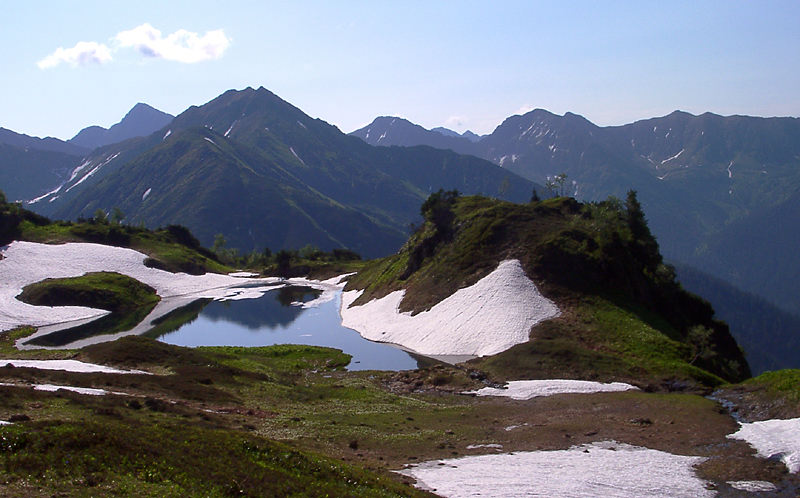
(261, 172)
(140, 121)
(49, 144)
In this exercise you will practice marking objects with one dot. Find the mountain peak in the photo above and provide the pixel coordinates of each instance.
(141, 120)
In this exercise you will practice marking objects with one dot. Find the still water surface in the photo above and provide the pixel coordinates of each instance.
(272, 319)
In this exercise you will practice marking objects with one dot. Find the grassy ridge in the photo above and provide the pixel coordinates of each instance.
(637, 322)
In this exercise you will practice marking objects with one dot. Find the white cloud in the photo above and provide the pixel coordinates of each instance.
(82, 54)
(181, 46)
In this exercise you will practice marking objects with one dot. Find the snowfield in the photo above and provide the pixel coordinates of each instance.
(25, 263)
(608, 469)
(486, 318)
(68, 366)
(772, 438)
(527, 389)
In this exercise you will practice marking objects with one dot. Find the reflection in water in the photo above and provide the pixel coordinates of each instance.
(270, 320)
(106, 324)
(275, 311)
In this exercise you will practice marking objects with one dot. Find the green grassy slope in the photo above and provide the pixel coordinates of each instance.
(624, 315)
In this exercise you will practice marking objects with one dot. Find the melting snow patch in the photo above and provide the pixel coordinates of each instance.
(527, 389)
(600, 469)
(4, 422)
(730, 173)
(753, 486)
(168, 133)
(67, 365)
(486, 318)
(301, 124)
(231, 127)
(673, 157)
(213, 142)
(25, 263)
(298, 157)
(80, 390)
(79, 169)
(774, 438)
(34, 201)
(491, 445)
(146, 193)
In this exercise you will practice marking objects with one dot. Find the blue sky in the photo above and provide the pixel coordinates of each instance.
(465, 65)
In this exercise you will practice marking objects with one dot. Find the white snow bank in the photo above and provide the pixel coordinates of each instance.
(67, 365)
(491, 445)
(328, 287)
(25, 263)
(774, 438)
(753, 486)
(606, 469)
(53, 388)
(5, 422)
(484, 319)
(80, 390)
(527, 389)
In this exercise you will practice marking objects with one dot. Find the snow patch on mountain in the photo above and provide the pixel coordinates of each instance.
(608, 468)
(676, 156)
(68, 366)
(295, 155)
(774, 438)
(486, 318)
(527, 389)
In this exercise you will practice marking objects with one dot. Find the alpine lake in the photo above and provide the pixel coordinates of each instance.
(276, 317)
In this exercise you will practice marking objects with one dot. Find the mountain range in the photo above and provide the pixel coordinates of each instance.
(259, 171)
(720, 193)
(31, 167)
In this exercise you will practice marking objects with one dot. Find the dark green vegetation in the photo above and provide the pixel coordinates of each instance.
(104, 290)
(148, 445)
(263, 173)
(288, 421)
(128, 300)
(624, 314)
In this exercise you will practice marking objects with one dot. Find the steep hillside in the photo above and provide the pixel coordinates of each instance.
(261, 172)
(140, 121)
(769, 336)
(702, 180)
(623, 314)
(29, 173)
